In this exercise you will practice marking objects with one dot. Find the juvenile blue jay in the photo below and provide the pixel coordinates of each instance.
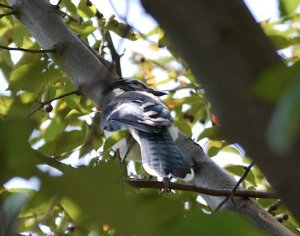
(132, 105)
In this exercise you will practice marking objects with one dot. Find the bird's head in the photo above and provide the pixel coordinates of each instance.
(132, 85)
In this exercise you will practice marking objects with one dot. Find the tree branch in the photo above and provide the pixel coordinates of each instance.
(202, 190)
(27, 50)
(6, 6)
(8, 13)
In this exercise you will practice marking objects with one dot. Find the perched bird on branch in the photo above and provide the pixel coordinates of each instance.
(130, 104)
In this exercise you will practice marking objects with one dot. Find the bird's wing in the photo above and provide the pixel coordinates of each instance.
(138, 110)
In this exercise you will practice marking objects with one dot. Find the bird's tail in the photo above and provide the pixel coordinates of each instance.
(161, 157)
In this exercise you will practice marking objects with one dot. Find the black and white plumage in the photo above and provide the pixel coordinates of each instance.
(131, 104)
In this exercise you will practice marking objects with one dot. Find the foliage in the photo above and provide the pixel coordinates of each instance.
(94, 198)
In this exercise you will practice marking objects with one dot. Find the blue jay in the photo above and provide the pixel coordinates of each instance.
(132, 105)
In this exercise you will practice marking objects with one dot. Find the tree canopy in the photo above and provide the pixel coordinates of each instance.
(232, 87)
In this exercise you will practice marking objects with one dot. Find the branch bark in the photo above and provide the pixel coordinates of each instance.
(91, 77)
(228, 51)
(202, 190)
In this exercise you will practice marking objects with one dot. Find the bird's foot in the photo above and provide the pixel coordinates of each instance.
(166, 188)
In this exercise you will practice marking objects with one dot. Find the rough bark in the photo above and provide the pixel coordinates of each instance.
(228, 51)
(90, 76)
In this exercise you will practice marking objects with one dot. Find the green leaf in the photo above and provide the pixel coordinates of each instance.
(27, 77)
(196, 223)
(280, 41)
(72, 101)
(56, 127)
(288, 7)
(70, 6)
(215, 147)
(121, 29)
(274, 81)
(5, 62)
(18, 109)
(212, 133)
(114, 138)
(73, 114)
(69, 141)
(84, 29)
(86, 11)
(231, 149)
(97, 143)
(5, 103)
(184, 127)
(94, 196)
(285, 121)
(196, 100)
(16, 153)
(199, 111)
(9, 212)
(19, 34)
(239, 171)
(65, 143)
(27, 97)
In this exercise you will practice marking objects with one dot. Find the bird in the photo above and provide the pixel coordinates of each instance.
(130, 104)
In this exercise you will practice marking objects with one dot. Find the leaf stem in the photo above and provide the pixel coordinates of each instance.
(51, 100)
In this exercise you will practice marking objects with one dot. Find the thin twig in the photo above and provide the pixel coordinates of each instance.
(235, 187)
(8, 13)
(195, 87)
(202, 190)
(58, 3)
(6, 6)
(51, 100)
(71, 18)
(27, 50)
(114, 54)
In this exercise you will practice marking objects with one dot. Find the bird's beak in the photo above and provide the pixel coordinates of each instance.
(155, 92)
